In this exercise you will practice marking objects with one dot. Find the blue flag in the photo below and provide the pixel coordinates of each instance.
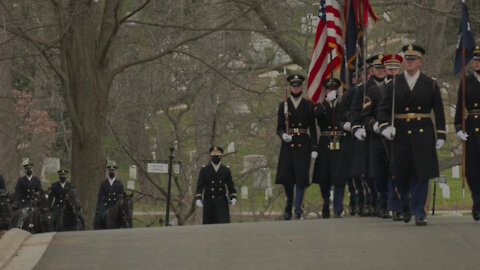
(351, 40)
(465, 40)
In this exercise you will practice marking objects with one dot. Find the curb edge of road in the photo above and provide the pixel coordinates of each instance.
(10, 244)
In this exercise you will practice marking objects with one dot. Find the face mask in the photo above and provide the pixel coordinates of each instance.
(111, 175)
(378, 79)
(216, 160)
(296, 95)
(29, 172)
(477, 71)
(63, 179)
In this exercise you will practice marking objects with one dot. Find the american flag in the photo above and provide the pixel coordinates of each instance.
(327, 38)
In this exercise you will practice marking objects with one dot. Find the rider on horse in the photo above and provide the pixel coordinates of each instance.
(26, 188)
(59, 192)
(108, 193)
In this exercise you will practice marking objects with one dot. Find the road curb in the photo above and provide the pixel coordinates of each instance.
(10, 244)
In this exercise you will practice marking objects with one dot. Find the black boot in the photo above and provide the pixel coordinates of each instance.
(364, 210)
(352, 209)
(326, 209)
(407, 214)
(476, 212)
(287, 215)
(420, 221)
(396, 216)
(339, 215)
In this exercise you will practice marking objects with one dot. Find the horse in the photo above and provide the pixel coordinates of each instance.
(120, 214)
(5, 210)
(69, 217)
(36, 218)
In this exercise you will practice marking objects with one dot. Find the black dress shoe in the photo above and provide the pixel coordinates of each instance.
(326, 210)
(339, 215)
(407, 214)
(396, 216)
(287, 215)
(384, 213)
(420, 221)
(298, 217)
(364, 211)
(352, 210)
(476, 213)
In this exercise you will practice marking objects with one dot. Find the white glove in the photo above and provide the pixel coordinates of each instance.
(314, 154)
(360, 134)
(233, 201)
(439, 143)
(376, 129)
(331, 96)
(462, 135)
(286, 137)
(199, 203)
(389, 133)
(347, 126)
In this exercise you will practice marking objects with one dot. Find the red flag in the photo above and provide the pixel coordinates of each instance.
(328, 39)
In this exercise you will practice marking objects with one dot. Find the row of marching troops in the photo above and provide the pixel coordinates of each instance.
(380, 139)
(28, 188)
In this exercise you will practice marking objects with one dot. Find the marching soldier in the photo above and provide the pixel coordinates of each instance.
(58, 194)
(361, 160)
(377, 146)
(213, 182)
(3, 188)
(26, 188)
(108, 193)
(414, 139)
(471, 135)
(298, 145)
(329, 144)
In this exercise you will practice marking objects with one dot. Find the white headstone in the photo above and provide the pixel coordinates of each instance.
(445, 191)
(268, 193)
(456, 171)
(133, 172)
(131, 184)
(231, 147)
(244, 192)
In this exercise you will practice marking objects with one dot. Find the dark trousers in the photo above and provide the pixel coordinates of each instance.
(356, 190)
(371, 195)
(381, 187)
(474, 185)
(416, 193)
(394, 201)
(299, 197)
(338, 193)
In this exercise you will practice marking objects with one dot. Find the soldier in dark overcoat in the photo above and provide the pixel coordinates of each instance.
(360, 164)
(3, 188)
(329, 145)
(110, 189)
(26, 188)
(298, 146)
(58, 194)
(471, 135)
(214, 181)
(378, 146)
(414, 137)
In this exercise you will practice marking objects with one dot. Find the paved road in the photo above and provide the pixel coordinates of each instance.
(350, 243)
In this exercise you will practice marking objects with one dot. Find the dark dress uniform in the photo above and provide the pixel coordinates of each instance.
(360, 164)
(355, 185)
(57, 196)
(25, 191)
(213, 185)
(326, 165)
(2, 184)
(472, 128)
(414, 156)
(106, 198)
(294, 159)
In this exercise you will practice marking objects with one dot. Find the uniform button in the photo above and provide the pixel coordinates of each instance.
(299, 124)
(421, 130)
(109, 199)
(114, 193)
(419, 107)
(61, 201)
(476, 116)
(408, 120)
(23, 200)
(477, 129)
(212, 189)
(475, 105)
(213, 196)
(409, 132)
(298, 134)
(407, 109)
(292, 145)
(220, 189)
(336, 128)
(299, 145)
(419, 118)
(105, 204)
(220, 181)
(329, 127)
(213, 182)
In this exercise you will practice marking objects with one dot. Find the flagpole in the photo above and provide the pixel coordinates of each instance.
(347, 70)
(285, 105)
(463, 123)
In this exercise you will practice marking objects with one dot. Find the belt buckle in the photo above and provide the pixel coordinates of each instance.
(411, 115)
(295, 130)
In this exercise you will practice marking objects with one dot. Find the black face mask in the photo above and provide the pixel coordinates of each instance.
(63, 179)
(111, 175)
(389, 77)
(296, 95)
(477, 71)
(29, 172)
(378, 79)
(216, 160)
